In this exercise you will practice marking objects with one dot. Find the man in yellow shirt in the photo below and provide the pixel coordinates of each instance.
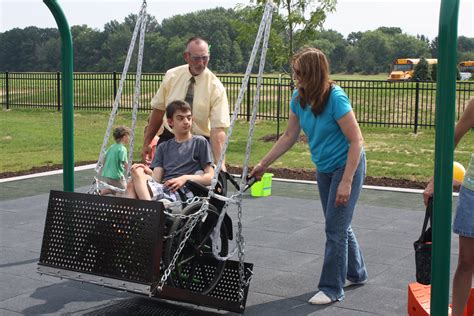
(206, 94)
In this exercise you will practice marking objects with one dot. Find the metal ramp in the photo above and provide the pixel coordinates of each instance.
(118, 243)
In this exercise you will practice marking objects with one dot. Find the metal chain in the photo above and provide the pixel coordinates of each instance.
(182, 216)
(189, 201)
(179, 231)
(116, 104)
(136, 94)
(98, 184)
(264, 26)
(166, 274)
(243, 89)
(240, 238)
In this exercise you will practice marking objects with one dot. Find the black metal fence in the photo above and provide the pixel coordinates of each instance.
(375, 102)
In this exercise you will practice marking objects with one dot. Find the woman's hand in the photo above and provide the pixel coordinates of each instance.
(428, 193)
(257, 172)
(343, 193)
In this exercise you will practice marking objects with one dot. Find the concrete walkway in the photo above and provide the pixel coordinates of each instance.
(285, 240)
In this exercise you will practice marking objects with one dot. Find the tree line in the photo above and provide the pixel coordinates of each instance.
(231, 35)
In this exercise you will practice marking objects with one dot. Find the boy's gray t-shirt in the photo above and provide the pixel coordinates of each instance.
(178, 159)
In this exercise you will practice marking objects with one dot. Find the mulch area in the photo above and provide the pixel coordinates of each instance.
(309, 174)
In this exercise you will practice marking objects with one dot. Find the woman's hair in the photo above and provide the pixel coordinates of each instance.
(313, 71)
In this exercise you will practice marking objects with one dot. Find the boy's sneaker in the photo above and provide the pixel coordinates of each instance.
(320, 299)
(350, 283)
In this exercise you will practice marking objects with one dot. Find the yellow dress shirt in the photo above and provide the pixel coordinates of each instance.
(210, 105)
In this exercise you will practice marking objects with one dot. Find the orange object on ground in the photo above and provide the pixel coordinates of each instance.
(419, 301)
(469, 310)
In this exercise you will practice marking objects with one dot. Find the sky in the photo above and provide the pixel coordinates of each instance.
(412, 16)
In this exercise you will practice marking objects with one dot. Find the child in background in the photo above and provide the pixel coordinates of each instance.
(116, 161)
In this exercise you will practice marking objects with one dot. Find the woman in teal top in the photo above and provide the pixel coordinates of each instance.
(463, 223)
(324, 112)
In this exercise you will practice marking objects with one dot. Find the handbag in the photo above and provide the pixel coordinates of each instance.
(423, 248)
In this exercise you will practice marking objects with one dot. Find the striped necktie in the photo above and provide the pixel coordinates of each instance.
(190, 93)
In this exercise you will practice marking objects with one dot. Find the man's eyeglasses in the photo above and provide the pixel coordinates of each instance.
(198, 58)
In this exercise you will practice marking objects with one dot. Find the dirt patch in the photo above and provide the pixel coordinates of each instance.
(309, 174)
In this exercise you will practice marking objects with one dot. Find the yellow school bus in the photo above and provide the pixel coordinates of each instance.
(403, 68)
(466, 66)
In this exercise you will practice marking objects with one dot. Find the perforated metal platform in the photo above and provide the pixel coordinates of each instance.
(118, 243)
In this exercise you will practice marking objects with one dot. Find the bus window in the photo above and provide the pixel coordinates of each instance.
(404, 67)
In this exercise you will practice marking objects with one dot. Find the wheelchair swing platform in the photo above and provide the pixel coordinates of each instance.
(119, 243)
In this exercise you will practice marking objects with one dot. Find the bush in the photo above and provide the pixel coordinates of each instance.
(421, 71)
(434, 72)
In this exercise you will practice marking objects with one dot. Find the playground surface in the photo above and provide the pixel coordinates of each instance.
(284, 236)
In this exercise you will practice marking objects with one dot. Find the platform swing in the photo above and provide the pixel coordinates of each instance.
(179, 252)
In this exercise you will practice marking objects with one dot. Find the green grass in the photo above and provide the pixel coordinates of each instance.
(33, 138)
(343, 76)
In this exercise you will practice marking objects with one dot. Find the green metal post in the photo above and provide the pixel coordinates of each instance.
(445, 104)
(67, 94)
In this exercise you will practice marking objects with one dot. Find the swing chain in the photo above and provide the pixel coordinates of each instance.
(192, 200)
(188, 224)
(170, 268)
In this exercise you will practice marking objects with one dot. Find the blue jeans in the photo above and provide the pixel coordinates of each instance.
(342, 257)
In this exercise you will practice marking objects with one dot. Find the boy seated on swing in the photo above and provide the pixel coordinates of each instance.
(186, 157)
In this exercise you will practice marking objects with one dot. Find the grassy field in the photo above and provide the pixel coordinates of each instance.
(30, 138)
(343, 76)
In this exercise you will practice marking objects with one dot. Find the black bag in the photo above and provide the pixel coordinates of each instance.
(423, 249)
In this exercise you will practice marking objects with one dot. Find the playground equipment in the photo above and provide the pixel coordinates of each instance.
(444, 147)
(419, 301)
(263, 187)
(178, 252)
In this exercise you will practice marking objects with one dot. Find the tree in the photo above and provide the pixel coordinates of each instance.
(434, 72)
(407, 46)
(247, 21)
(465, 44)
(463, 56)
(334, 46)
(354, 37)
(87, 47)
(372, 51)
(422, 71)
(214, 25)
(49, 55)
(423, 38)
(303, 16)
(389, 30)
(434, 47)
